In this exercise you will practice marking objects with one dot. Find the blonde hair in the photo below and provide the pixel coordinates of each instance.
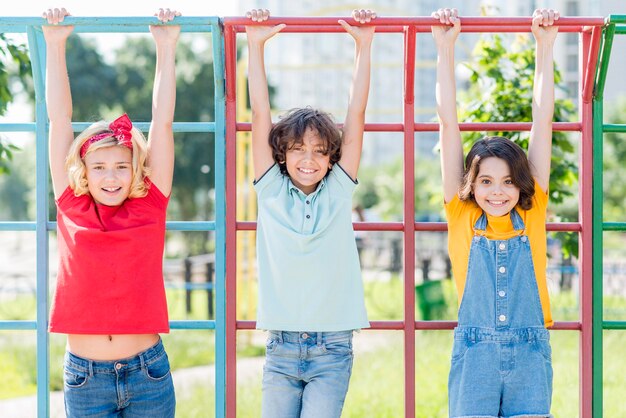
(77, 171)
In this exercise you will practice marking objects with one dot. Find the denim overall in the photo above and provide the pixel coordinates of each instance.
(501, 358)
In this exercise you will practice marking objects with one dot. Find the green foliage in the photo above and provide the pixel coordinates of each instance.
(614, 153)
(500, 90)
(382, 189)
(12, 55)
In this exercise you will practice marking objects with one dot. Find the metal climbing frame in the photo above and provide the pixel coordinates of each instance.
(589, 28)
(42, 225)
(616, 25)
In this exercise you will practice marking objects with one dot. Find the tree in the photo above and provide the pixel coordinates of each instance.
(614, 163)
(500, 90)
(195, 152)
(11, 55)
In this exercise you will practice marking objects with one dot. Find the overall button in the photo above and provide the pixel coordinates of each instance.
(502, 293)
(502, 269)
(118, 366)
(502, 246)
(502, 318)
(524, 238)
(305, 335)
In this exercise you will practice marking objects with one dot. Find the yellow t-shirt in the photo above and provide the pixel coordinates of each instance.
(461, 219)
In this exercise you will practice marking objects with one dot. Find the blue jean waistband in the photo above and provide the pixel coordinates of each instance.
(512, 335)
(319, 337)
(137, 361)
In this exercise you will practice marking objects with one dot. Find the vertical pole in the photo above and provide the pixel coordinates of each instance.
(231, 222)
(220, 223)
(38, 59)
(409, 221)
(585, 236)
(598, 218)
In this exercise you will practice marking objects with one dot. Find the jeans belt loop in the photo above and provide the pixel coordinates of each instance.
(90, 367)
(318, 338)
(142, 361)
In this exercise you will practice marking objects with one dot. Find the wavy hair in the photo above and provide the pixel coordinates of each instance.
(291, 128)
(515, 158)
(77, 171)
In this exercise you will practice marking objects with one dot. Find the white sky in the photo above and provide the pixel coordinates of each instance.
(107, 8)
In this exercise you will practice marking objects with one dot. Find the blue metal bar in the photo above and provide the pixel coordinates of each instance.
(220, 216)
(143, 126)
(193, 325)
(18, 325)
(18, 226)
(137, 24)
(37, 57)
(171, 226)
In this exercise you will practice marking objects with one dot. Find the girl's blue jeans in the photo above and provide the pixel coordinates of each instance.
(306, 374)
(139, 386)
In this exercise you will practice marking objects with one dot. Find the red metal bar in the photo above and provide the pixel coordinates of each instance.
(585, 251)
(498, 22)
(421, 325)
(409, 217)
(592, 60)
(465, 127)
(230, 46)
(418, 226)
(418, 29)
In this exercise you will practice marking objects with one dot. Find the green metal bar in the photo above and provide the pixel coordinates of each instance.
(614, 127)
(614, 226)
(621, 30)
(617, 19)
(597, 391)
(617, 325)
(603, 61)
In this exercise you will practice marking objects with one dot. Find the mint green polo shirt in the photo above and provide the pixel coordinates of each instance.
(308, 265)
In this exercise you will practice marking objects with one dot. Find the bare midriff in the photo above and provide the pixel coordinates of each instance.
(109, 347)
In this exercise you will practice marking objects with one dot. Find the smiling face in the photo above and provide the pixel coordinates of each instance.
(493, 187)
(307, 162)
(109, 174)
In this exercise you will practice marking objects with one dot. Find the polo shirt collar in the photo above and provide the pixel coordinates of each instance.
(294, 189)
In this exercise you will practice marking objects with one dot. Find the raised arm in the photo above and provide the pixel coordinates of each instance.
(58, 97)
(161, 136)
(352, 138)
(257, 88)
(540, 145)
(445, 92)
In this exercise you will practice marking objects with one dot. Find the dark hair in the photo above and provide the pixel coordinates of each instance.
(291, 128)
(512, 154)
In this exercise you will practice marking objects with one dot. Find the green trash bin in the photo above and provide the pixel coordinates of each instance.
(431, 300)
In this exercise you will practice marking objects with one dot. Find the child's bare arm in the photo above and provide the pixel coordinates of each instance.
(58, 97)
(540, 145)
(445, 91)
(257, 87)
(352, 138)
(161, 136)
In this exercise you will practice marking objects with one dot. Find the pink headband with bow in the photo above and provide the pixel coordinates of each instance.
(120, 129)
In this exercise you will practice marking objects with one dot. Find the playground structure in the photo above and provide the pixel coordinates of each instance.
(595, 39)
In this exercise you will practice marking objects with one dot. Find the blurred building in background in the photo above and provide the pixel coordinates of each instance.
(316, 70)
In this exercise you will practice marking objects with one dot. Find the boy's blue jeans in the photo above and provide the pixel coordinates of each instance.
(306, 374)
(139, 386)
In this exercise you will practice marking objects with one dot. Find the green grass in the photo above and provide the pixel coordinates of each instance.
(377, 384)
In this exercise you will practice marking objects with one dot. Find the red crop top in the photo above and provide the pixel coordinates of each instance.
(110, 278)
